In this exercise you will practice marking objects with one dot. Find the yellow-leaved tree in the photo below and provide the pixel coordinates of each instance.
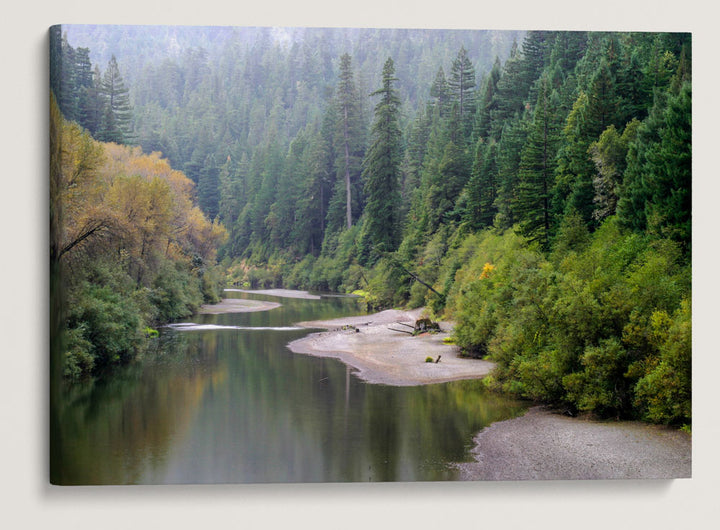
(129, 246)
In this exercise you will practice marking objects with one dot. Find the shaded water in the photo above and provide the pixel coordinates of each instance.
(221, 403)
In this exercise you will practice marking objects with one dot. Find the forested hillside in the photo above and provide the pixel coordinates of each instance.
(535, 188)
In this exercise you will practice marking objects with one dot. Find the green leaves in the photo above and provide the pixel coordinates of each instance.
(664, 392)
(103, 318)
(588, 329)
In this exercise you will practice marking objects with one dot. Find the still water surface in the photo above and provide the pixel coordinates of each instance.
(228, 404)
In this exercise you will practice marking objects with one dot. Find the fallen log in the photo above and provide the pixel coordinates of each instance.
(401, 331)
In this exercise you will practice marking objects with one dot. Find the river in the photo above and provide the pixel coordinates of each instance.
(225, 401)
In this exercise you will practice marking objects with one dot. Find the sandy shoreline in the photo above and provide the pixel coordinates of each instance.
(383, 356)
(280, 293)
(542, 445)
(237, 305)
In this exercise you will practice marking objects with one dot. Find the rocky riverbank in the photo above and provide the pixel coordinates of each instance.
(543, 445)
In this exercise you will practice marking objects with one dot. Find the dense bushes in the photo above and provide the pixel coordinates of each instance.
(104, 326)
(604, 328)
(175, 293)
(108, 313)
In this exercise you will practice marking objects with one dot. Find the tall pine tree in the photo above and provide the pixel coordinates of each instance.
(381, 173)
(116, 122)
(462, 91)
(537, 167)
(349, 137)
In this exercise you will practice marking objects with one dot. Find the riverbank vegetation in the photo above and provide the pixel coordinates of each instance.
(533, 187)
(129, 250)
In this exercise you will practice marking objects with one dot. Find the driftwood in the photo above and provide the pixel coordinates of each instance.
(401, 331)
(421, 326)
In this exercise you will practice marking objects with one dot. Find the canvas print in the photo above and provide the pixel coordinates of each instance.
(368, 255)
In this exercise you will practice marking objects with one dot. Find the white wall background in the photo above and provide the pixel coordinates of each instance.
(27, 500)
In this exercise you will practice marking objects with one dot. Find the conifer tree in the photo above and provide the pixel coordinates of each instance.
(412, 165)
(67, 98)
(233, 176)
(312, 202)
(381, 173)
(536, 51)
(602, 109)
(282, 214)
(573, 188)
(512, 139)
(668, 177)
(87, 96)
(537, 167)
(660, 68)
(487, 104)
(209, 188)
(349, 137)
(440, 91)
(91, 105)
(55, 61)
(567, 49)
(592, 113)
(480, 208)
(461, 86)
(116, 121)
(510, 95)
(269, 172)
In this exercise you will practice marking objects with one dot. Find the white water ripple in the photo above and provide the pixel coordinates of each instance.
(192, 326)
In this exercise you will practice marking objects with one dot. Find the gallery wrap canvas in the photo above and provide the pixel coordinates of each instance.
(322, 255)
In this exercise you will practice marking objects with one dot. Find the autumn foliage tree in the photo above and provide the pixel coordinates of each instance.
(131, 246)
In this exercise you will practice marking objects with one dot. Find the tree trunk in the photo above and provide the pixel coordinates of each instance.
(348, 192)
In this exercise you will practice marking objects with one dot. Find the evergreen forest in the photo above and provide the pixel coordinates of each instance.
(532, 187)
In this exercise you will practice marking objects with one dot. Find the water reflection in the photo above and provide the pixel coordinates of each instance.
(231, 405)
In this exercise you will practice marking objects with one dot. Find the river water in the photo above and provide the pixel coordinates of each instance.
(225, 401)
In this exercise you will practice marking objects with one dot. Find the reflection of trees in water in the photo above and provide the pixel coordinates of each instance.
(113, 427)
(238, 406)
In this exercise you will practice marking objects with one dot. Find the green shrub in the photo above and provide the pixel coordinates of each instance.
(664, 394)
(589, 327)
(107, 320)
(175, 293)
(212, 285)
(602, 387)
(299, 274)
(79, 360)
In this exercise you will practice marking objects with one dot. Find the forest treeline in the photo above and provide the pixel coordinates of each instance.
(540, 198)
